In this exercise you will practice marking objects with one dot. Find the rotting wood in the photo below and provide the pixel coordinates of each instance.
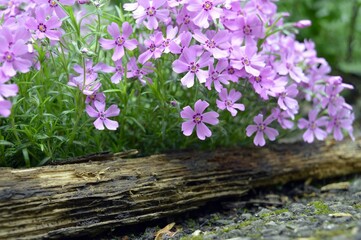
(72, 200)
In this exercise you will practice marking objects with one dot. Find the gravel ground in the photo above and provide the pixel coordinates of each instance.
(321, 210)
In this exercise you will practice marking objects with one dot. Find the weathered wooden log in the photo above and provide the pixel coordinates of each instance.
(80, 199)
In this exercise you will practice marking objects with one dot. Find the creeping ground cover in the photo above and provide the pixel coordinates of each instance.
(80, 77)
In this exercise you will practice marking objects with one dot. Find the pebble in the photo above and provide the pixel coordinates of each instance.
(355, 186)
(246, 216)
(297, 208)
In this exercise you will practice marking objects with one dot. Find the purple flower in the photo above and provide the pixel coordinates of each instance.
(51, 6)
(102, 116)
(213, 44)
(313, 127)
(184, 21)
(95, 97)
(264, 82)
(44, 27)
(187, 62)
(5, 108)
(262, 128)
(198, 119)
(91, 72)
(182, 41)
(283, 118)
(227, 101)
(203, 10)
(149, 10)
(88, 83)
(332, 100)
(171, 34)
(154, 49)
(246, 57)
(134, 71)
(7, 90)
(342, 119)
(176, 3)
(289, 61)
(248, 27)
(119, 41)
(303, 23)
(287, 101)
(13, 56)
(119, 72)
(218, 75)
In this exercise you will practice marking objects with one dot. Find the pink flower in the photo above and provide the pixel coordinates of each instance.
(213, 44)
(134, 71)
(343, 119)
(95, 97)
(198, 119)
(246, 57)
(5, 108)
(7, 90)
(119, 41)
(188, 62)
(51, 6)
(154, 49)
(218, 75)
(313, 127)
(14, 56)
(228, 101)
(171, 34)
(182, 41)
(286, 99)
(149, 10)
(203, 10)
(262, 128)
(118, 72)
(102, 116)
(263, 82)
(303, 23)
(249, 26)
(44, 27)
(184, 21)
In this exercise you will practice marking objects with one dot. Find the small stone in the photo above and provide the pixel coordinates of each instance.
(355, 186)
(197, 233)
(234, 234)
(338, 215)
(271, 223)
(285, 216)
(224, 222)
(336, 186)
(246, 216)
(297, 208)
(264, 213)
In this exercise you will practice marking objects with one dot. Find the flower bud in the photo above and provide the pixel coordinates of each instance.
(303, 23)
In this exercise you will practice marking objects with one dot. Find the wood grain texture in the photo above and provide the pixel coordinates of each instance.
(72, 200)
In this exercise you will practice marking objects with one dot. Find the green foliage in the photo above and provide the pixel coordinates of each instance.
(49, 122)
(336, 29)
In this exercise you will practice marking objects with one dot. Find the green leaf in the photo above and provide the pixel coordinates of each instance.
(6, 143)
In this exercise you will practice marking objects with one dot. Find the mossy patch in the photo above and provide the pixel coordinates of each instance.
(320, 208)
(276, 212)
(200, 237)
(357, 206)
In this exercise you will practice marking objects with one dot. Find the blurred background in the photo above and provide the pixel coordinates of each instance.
(336, 30)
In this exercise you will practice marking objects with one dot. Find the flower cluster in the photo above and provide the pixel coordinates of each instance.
(236, 50)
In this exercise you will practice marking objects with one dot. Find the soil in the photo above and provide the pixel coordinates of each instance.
(329, 209)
